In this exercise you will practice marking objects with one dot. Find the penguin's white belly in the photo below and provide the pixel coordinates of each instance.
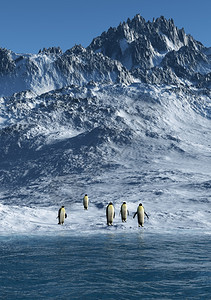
(86, 202)
(141, 217)
(124, 212)
(110, 214)
(62, 216)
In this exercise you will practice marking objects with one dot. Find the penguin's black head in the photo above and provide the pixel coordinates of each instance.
(140, 204)
(124, 202)
(85, 194)
(110, 203)
(62, 206)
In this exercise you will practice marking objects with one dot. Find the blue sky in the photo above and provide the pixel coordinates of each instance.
(29, 25)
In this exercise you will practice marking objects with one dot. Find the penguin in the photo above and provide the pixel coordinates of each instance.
(86, 201)
(62, 215)
(140, 213)
(124, 212)
(110, 214)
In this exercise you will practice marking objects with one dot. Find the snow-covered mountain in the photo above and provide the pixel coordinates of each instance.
(51, 69)
(152, 52)
(128, 118)
(156, 52)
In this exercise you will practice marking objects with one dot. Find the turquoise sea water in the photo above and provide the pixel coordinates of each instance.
(140, 265)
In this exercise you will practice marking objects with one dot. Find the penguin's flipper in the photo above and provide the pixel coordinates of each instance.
(146, 215)
(65, 216)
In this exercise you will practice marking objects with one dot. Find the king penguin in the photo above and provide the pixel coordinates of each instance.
(110, 214)
(124, 212)
(86, 201)
(62, 215)
(140, 214)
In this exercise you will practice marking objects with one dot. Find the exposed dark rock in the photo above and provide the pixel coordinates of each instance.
(51, 50)
(156, 52)
(7, 65)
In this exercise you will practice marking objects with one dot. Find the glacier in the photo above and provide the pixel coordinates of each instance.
(116, 123)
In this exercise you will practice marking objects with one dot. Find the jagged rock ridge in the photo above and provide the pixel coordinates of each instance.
(156, 52)
(51, 69)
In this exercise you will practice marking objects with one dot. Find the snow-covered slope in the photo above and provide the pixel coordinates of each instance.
(51, 69)
(80, 122)
(114, 142)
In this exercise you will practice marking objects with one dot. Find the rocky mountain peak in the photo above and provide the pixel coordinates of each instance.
(148, 49)
(51, 50)
(154, 52)
(144, 39)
